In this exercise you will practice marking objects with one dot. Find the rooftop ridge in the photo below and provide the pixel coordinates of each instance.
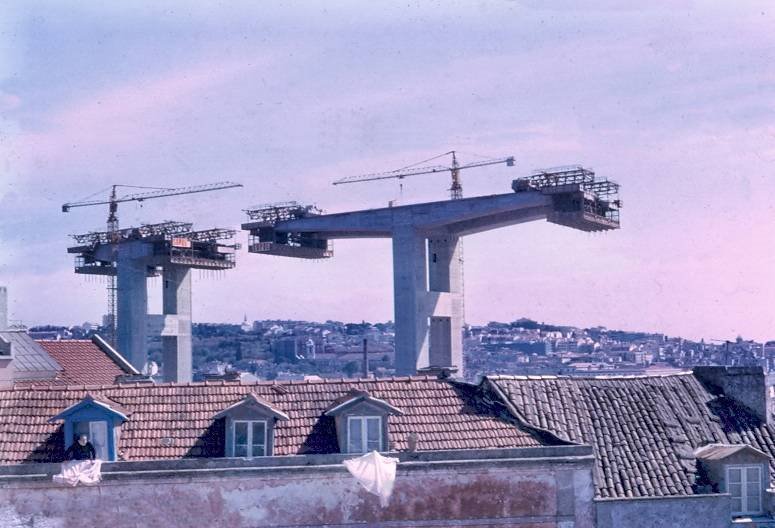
(228, 383)
(538, 377)
(63, 340)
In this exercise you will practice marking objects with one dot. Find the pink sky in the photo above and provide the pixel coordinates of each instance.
(674, 102)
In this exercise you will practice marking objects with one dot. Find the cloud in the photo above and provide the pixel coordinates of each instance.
(9, 101)
(124, 117)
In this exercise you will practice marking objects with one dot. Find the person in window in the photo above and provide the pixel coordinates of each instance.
(81, 450)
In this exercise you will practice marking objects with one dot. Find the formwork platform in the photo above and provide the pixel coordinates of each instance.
(169, 242)
(579, 200)
(264, 238)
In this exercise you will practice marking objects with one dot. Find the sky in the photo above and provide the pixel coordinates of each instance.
(674, 99)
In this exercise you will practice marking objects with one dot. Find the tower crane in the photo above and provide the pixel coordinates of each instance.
(112, 203)
(455, 189)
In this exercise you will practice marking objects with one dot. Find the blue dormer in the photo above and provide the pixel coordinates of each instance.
(98, 418)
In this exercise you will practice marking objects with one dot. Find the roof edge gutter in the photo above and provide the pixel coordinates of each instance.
(113, 354)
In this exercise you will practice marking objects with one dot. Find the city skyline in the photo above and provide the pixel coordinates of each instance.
(672, 102)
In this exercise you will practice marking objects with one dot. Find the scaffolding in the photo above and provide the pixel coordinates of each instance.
(211, 235)
(266, 239)
(170, 242)
(273, 213)
(163, 229)
(579, 199)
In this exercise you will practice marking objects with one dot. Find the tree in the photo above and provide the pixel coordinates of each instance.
(351, 368)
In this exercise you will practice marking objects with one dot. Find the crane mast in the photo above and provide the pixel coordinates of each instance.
(456, 189)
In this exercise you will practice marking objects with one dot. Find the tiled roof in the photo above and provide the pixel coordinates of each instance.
(644, 430)
(29, 358)
(83, 362)
(173, 421)
(722, 451)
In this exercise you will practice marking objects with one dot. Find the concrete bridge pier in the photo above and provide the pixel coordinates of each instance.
(428, 296)
(132, 302)
(444, 300)
(176, 334)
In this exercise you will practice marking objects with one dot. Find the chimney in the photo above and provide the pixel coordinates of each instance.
(6, 364)
(439, 372)
(3, 308)
(125, 379)
(365, 358)
(748, 386)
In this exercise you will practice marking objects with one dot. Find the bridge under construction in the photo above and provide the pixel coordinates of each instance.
(426, 240)
(128, 257)
(132, 255)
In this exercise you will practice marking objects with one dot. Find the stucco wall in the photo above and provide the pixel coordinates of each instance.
(697, 511)
(528, 494)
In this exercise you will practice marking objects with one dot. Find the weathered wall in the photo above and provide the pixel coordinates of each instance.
(696, 511)
(746, 385)
(507, 493)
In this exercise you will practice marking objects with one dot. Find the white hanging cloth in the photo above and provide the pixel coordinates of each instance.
(375, 473)
(83, 471)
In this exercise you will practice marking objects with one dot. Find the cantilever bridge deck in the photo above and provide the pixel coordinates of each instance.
(427, 257)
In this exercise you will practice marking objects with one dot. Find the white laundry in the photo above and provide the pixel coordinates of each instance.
(83, 471)
(375, 473)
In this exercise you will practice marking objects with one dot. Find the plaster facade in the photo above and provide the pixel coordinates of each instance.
(506, 488)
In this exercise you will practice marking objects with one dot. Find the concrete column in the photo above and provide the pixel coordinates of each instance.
(409, 291)
(445, 301)
(132, 303)
(176, 336)
(3, 308)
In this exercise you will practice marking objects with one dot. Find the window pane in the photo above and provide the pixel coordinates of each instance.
(241, 433)
(240, 439)
(735, 489)
(754, 504)
(734, 475)
(355, 435)
(737, 505)
(98, 436)
(373, 435)
(752, 488)
(752, 474)
(259, 449)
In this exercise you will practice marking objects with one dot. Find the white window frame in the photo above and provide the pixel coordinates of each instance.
(250, 437)
(745, 510)
(99, 428)
(364, 432)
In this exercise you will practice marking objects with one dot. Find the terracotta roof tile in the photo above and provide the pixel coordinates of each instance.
(173, 421)
(82, 362)
(644, 429)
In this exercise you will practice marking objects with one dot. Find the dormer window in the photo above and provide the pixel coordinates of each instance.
(250, 425)
(364, 434)
(99, 419)
(361, 422)
(249, 438)
(737, 469)
(744, 484)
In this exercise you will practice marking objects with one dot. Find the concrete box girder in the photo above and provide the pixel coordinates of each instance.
(427, 263)
(427, 258)
(463, 216)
